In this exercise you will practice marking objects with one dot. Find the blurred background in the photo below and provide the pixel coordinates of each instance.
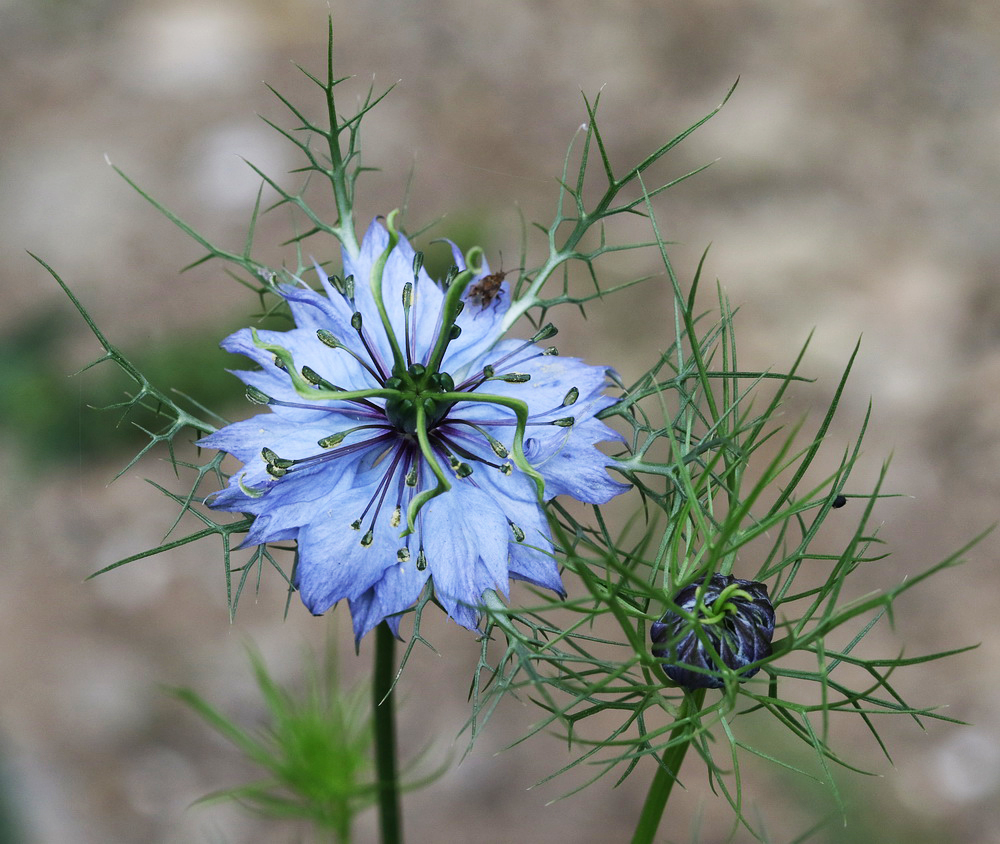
(855, 192)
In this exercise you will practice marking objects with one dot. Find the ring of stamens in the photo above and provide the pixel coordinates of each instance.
(408, 410)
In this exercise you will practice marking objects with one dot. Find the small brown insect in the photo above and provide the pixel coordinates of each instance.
(487, 290)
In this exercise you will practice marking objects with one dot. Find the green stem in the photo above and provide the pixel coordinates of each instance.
(666, 773)
(390, 812)
(342, 188)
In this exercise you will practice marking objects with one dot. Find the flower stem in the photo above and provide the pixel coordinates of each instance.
(666, 773)
(390, 812)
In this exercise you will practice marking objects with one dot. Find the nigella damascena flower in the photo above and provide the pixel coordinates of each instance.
(407, 441)
(726, 623)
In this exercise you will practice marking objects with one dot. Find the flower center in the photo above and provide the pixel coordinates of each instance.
(418, 387)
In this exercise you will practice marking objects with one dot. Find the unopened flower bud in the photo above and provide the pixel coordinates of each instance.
(727, 624)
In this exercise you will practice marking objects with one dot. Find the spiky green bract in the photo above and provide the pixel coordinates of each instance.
(166, 418)
(314, 748)
(727, 492)
(333, 157)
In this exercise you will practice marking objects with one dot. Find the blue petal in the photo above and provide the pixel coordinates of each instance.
(398, 270)
(571, 465)
(465, 537)
(398, 590)
(312, 311)
(532, 558)
(290, 437)
(333, 564)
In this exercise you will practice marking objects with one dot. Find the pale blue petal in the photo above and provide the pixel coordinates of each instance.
(532, 558)
(333, 564)
(292, 439)
(312, 311)
(398, 590)
(571, 465)
(465, 539)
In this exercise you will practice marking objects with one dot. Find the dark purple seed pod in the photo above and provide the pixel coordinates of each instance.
(734, 616)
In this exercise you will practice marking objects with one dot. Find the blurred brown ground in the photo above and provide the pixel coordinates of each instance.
(857, 193)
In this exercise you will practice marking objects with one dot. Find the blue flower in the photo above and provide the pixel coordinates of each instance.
(726, 623)
(406, 441)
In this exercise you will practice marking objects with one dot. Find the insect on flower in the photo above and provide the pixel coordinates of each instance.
(489, 289)
(406, 441)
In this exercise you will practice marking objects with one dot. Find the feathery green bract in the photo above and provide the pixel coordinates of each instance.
(315, 749)
(725, 489)
(173, 416)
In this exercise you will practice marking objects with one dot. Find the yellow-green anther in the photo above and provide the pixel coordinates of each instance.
(571, 397)
(418, 263)
(275, 471)
(499, 449)
(487, 371)
(356, 320)
(356, 524)
(403, 555)
(333, 440)
(273, 461)
(313, 377)
(463, 470)
(408, 293)
(518, 533)
(368, 538)
(514, 377)
(278, 362)
(545, 332)
(411, 476)
(506, 468)
(258, 397)
(551, 351)
(565, 422)
(397, 515)
(327, 339)
(455, 332)
(349, 287)
(421, 560)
